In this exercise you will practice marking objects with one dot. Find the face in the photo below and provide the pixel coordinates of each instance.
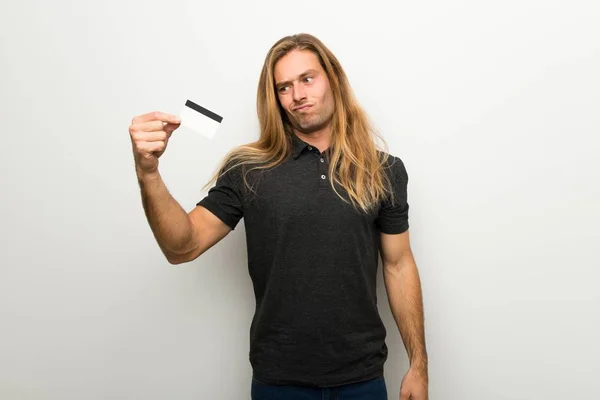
(303, 90)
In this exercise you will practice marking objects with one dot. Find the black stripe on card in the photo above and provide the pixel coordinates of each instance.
(203, 111)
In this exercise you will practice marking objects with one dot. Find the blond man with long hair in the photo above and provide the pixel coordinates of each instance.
(321, 203)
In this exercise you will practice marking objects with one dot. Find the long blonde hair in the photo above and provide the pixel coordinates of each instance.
(356, 164)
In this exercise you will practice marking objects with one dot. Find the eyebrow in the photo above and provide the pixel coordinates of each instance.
(307, 72)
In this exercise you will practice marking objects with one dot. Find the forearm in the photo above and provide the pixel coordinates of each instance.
(406, 302)
(169, 222)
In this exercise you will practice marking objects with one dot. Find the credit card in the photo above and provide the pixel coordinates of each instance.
(199, 119)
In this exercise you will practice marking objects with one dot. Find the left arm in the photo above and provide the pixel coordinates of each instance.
(403, 287)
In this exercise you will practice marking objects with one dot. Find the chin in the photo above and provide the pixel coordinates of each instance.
(310, 129)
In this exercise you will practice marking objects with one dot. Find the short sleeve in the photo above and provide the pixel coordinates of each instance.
(393, 217)
(226, 198)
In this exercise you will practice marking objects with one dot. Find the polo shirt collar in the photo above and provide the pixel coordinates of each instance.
(298, 145)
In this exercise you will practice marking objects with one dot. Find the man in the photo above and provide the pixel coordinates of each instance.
(320, 203)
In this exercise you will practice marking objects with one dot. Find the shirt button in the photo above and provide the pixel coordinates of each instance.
(310, 148)
(322, 176)
(322, 160)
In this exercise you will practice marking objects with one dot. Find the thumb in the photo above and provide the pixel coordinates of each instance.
(169, 128)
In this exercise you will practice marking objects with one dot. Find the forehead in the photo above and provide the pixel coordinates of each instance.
(295, 63)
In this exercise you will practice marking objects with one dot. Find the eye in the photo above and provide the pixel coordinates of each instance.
(282, 89)
(308, 77)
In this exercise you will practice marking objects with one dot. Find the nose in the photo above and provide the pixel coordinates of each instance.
(299, 92)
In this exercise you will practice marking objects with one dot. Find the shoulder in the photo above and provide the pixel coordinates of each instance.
(393, 165)
(241, 171)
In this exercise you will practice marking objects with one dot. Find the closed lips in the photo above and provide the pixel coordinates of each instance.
(302, 107)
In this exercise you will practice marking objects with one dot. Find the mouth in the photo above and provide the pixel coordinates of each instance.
(304, 107)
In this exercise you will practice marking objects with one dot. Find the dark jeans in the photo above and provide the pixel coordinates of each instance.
(374, 389)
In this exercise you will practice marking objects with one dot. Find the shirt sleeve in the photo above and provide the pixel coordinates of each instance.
(226, 198)
(393, 216)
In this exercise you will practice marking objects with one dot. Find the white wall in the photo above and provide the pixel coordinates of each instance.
(493, 106)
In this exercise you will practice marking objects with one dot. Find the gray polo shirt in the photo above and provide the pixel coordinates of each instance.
(313, 262)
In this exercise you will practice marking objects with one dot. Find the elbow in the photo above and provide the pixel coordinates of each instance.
(182, 258)
(400, 262)
(176, 259)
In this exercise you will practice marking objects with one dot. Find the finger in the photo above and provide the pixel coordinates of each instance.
(153, 147)
(157, 116)
(169, 128)
(155, 136)
(148, 126)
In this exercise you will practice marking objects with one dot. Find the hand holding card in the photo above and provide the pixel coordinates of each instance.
(150, 134)
(199, 119)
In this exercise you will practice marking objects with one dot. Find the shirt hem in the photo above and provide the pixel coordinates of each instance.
(217, 211)
(294, 381)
